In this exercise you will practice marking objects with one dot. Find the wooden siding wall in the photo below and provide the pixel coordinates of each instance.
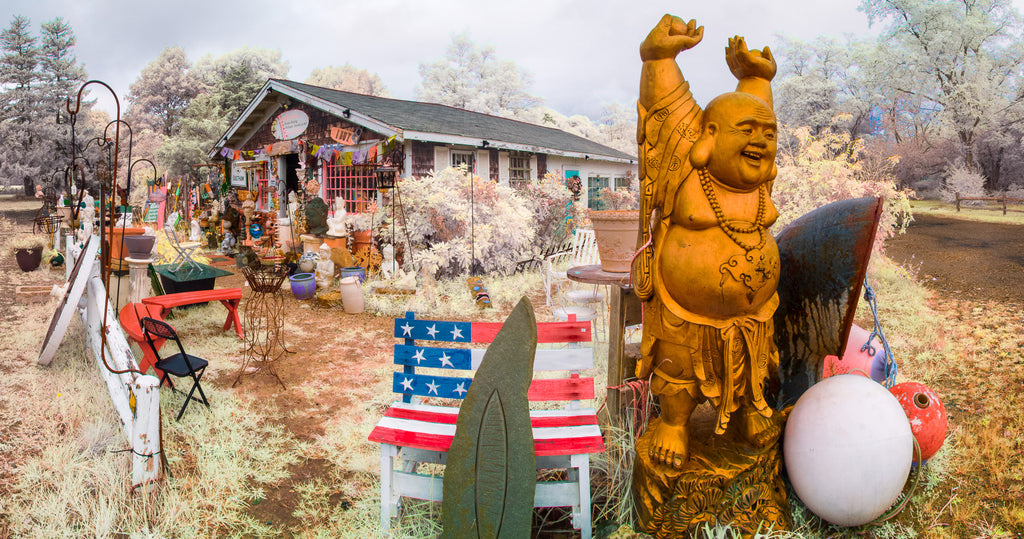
(542, 165)
(318, 132)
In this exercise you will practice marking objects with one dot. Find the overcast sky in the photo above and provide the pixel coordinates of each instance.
(582, 54)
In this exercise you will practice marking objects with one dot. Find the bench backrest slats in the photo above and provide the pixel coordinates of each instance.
(452, 387)
(468, 359)
(416, 352)
(484, 332)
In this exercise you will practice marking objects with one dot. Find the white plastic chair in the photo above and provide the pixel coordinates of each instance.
(184, 250)
(584, 253)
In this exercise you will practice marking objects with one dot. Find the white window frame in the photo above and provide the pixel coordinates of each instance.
(468, 157)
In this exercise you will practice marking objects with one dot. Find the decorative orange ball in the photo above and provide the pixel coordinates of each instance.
(926, 413)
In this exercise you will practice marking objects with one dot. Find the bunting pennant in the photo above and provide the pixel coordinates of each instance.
(371, 156)
(347, 159)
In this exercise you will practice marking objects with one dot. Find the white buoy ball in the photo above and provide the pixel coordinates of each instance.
(848, 449)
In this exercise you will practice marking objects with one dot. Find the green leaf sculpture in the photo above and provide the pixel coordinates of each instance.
(491, 473)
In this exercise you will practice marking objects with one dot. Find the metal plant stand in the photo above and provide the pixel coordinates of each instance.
(263, 322)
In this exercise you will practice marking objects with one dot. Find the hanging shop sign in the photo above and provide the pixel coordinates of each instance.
(346, 135)
(289, 124)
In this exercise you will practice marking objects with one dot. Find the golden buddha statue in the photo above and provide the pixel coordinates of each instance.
(709, 269)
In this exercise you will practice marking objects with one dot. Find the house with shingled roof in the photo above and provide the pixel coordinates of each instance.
(295, 136)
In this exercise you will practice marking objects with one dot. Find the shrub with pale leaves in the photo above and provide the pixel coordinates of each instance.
(454, 218)
(960, 179)
(825, 168)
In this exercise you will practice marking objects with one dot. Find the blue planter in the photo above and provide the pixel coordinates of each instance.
(357, 271)
(303, 285)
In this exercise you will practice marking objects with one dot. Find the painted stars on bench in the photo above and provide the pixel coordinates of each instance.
(431, 386)
(437, 358)
(433, 330)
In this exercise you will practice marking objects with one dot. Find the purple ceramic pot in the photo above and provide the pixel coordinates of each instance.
(303, 285)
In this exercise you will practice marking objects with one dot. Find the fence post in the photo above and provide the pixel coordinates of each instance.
(146, 457)
(958, 202)
(1004, 202)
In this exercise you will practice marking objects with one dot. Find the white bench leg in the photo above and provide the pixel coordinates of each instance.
(388, 503)
(581, 513)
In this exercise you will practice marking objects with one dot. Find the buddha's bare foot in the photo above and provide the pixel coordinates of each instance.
(669, 444)
(759, 430)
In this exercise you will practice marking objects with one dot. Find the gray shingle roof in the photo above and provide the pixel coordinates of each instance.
(442, 119)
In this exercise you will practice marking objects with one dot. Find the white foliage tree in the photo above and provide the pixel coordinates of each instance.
(960, 58)
(348, 78)
(473, 78)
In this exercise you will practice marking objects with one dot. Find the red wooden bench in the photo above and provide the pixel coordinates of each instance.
(418, 433)
(229, 297)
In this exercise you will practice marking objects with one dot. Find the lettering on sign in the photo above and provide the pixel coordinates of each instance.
(289, 124)
(346, 135)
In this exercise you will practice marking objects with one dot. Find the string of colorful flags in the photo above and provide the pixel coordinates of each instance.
(342, 154)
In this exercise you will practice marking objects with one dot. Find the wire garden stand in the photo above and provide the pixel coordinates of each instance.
(263, 322)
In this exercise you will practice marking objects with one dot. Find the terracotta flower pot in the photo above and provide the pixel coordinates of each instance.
(616, 232)
(29, 259)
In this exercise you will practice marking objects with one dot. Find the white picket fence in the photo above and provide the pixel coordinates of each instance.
(141, 422)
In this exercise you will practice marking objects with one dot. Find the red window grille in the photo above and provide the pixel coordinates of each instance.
(357, 184)
(263, 184)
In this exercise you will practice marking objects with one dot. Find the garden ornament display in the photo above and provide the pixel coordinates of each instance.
(387, 264)
(324, 267)
(228, 245)
(709, 267)
(336, 224)
(316, 216)
(709, 272)
(86, 218)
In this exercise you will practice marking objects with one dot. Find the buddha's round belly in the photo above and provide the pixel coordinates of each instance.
(708, 274)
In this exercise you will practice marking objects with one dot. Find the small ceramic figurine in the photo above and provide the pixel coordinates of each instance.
(336, 224)
(195, 232)
(228, 244)
(324, 267)
(86, 216)
(388, 263)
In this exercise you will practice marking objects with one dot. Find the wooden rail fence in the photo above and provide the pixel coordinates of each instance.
(1003, 199)
(136, 398)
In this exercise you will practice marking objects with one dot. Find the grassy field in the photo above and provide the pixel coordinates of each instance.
(63, 472)
(988, 212)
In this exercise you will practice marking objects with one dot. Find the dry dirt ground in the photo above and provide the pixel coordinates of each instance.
(979, 261)
(965, 259)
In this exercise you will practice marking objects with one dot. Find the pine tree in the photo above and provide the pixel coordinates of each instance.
(62, 75)
(19, 133)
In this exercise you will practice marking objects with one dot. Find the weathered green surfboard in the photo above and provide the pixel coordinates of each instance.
(491, 474)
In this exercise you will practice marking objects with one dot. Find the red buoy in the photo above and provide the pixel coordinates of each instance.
(926, 413)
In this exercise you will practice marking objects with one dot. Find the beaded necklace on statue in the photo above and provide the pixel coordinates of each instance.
(731, 230)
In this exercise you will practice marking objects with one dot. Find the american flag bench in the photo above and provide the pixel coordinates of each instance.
(415, 433)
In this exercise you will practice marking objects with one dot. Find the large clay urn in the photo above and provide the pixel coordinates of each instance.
(616, 232)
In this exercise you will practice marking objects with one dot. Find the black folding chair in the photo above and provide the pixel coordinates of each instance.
(180, 364)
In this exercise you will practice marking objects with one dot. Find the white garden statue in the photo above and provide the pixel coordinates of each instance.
(194, 232)
(86, 216)
(324, 267)
(388, 262)
(336, 224)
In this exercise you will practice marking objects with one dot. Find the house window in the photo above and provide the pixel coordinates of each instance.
(518, 169)
(461, 157)
(357, 184)
(594, 186)
(621, 181)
